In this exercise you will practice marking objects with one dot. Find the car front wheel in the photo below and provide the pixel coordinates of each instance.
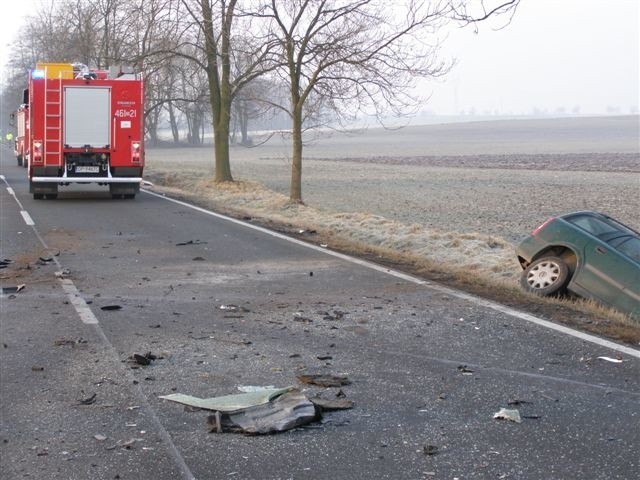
(545, 276)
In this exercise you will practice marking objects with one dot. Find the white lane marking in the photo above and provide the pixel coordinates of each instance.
(433, 286)
(11, 192)
(27, 218)
(83, 310)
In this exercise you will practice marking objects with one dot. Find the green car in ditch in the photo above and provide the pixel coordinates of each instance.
(587, 253)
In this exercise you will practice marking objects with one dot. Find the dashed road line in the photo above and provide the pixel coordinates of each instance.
(81, 306)
(415, 280)
(27, 218)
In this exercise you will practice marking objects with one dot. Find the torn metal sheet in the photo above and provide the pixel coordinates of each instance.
(229, 403)
(507, 414)
(286, 411)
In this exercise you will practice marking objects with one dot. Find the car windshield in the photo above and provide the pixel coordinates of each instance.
(599, 227)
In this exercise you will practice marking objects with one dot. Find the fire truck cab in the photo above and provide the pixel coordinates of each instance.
(83, 126)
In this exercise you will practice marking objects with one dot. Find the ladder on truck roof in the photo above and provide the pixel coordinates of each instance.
(52, 119)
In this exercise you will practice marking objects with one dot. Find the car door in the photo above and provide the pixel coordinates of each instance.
(611, 275)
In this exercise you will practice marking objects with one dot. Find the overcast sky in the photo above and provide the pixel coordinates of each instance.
(556, 55)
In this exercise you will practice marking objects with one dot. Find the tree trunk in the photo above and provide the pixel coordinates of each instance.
(244, 125)
(174, 124)
(221, 148)
(295, 192)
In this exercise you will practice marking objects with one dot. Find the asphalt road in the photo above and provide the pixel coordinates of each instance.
(428, 367)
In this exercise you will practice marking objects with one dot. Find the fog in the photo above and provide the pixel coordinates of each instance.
(555, 58)
(568, 56)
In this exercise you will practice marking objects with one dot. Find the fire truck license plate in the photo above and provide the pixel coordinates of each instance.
(87, 169)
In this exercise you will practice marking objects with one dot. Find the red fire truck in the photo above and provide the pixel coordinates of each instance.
(82, 126)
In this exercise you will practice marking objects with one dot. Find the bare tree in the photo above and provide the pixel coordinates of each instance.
(217, 22)
(361, 55)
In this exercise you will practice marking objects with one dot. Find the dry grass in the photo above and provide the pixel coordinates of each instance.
(479, 263)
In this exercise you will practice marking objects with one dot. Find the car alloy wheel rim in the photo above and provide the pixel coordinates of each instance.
(543, 275)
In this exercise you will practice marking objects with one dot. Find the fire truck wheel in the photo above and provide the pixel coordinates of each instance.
(38, 196)
(19, 160)
(130, 196)
(51, 196)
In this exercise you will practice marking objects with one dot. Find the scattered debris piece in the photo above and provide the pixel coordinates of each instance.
(190, 242)
(16, 289)
(609, 359)
(129, 444)
(324, 380)
(68, 341)
(89, 400)
(465, 370)
(5, 263)
(324, 357)
(110, 308)
(284, 412)
(328, 404)
(231, 308)
(143, 360)
(430, 450)
(517, 402)
(229, 403)
(37, 368)
(302, 319)
(99, 437)
(507, 414)
(63, 273)
(198, 259)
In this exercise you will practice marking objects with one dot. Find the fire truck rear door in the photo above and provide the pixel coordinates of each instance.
(87, 113)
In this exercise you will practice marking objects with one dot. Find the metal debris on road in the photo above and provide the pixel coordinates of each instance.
(190, 242)
(89, 400)
(284, 412)
(609, 359)
(507, 414)
(110, 308)
(16, 289)
(430, 450)
(324, 380)
(144, 360)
